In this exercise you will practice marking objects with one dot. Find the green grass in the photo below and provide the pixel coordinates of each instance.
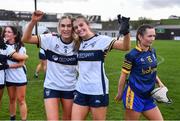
(168, 71)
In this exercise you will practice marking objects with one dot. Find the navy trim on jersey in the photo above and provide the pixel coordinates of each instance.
(67, 60)
(103, 80)
(91, 55)
(91, 37)
(24, 69)
(64, 41)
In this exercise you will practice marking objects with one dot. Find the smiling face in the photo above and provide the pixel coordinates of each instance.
(65, 28)
(82, 28)
(9, 35)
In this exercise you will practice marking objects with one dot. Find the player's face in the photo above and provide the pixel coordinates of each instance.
(147, 39)
(65, 29)
(9, 35)
(81, 28)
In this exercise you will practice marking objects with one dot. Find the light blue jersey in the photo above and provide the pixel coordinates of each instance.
(3, 59)
(16, 75)
(61, 73)
(92, 79)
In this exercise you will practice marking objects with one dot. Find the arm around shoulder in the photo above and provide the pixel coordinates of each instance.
(19, 57)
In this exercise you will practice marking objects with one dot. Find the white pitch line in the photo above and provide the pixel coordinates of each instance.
(161, 59)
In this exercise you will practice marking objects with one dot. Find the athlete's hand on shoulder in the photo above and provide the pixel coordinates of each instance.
(37, 15)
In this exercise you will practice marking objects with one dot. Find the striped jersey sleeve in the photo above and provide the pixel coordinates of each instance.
(127, 64)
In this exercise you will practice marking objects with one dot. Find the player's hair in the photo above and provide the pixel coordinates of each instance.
(63, 17)
(74, 36)
(142, 30)
(82, 17)
(77, 38)
(18, 43)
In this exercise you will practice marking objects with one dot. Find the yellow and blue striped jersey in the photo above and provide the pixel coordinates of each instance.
(142, 69)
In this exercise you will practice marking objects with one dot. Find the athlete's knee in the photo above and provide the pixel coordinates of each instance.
(12, 100)
(21, 100)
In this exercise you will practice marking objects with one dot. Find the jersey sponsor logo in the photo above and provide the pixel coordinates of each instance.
(149, 70)
(67, 60)
(54, 57)
(92, 55)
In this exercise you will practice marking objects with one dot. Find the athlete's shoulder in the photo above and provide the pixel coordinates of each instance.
(132, 54)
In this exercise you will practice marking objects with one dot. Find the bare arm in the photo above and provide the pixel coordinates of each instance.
(19, 57)
(159, 82)
(124, 44)
(122, 81)
(27, 35)
(17, 65)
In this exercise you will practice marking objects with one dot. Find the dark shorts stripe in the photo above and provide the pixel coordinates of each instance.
(8, 84)
(50, 93)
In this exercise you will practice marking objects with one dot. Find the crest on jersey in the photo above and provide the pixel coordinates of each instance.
(47, 91)
(56, 47)
(65, 49)
(87, 45)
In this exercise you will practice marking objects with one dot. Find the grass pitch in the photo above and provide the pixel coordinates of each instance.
(168, 53)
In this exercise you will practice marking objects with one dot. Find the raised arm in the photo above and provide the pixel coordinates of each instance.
(124, 44)
(27, 35)
(123, 31)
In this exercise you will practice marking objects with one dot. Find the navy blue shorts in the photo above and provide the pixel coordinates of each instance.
(50, 93)
(8, 84)
(91, 100)
(42, 56)
(2, 86)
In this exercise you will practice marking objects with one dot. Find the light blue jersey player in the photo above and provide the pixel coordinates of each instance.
(91, 65)
(16, 76)
(92, 89)
(4, 54)
(61, 74)
(6, 51)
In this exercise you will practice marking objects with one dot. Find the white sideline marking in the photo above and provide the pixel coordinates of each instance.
(161, 59)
